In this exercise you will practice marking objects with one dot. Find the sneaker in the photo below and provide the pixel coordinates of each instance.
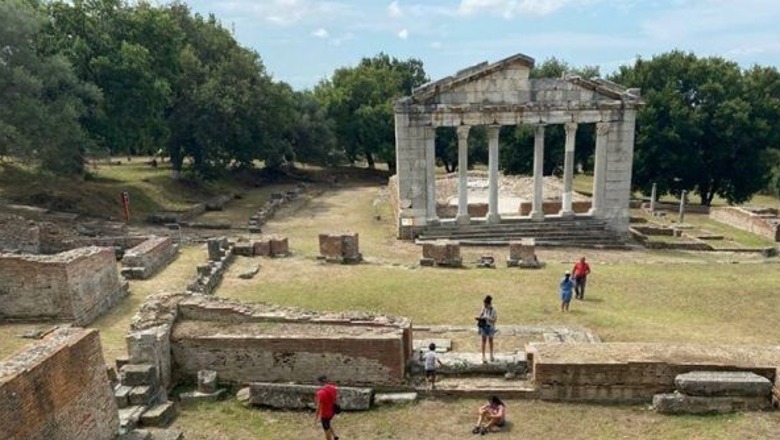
(477, 429)
(483, 431)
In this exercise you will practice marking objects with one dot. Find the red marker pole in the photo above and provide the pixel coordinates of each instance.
(126, 205)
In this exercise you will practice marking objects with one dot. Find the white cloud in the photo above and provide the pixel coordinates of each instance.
(510, 8)
(403, 34)
(289, 12)
(394, 10)
(321, 33)
(436, 45)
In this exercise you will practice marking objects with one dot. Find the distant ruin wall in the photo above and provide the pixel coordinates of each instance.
(19, 234)
(147, 258)
(58, 389)
(77, 285)
(760, 222)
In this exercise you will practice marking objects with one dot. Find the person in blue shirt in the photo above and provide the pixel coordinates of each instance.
(567, 287)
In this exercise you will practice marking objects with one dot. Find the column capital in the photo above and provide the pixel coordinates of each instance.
(493, 130)
(463, 131)
(570, 127)
(602, 128)
(539, 129)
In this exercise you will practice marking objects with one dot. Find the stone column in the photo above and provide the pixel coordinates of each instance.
(600, 167)
(681, 218)
(463, 174)
(430, 173)
(537, 210)
(493, 216)
(653, 195)
(568, 170)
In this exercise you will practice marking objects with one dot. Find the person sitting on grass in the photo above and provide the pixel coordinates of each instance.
(492, 416)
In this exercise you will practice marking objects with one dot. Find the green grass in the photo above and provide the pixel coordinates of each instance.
(453, 419)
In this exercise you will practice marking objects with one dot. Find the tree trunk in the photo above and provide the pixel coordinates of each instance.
(370, 160)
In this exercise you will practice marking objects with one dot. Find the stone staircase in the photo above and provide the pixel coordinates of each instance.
(553, 231)
(141, 399)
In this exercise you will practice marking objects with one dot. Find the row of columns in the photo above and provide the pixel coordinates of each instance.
(537, 210)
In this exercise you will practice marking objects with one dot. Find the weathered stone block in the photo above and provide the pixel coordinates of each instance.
(122, 395)
(723, 383)
(279, 247)
(141, 395)
(159, 415)
(443, 252)
(394, 398)
(207, 381)
(284, 396)
(129, 417)
(197, 396)
(133, 375)
(246, 250)
(676, 403)
(262, 248)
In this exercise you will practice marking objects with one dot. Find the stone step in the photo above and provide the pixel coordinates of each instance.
(136, 434)
(723, 384)
(122, 396)
(480, 387)
(166, 434)
(130, 416)
(133, 375)
(470, 364)
(160, 415)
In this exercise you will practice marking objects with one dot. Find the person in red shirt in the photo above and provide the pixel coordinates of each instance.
(326, 398)
(580, 273)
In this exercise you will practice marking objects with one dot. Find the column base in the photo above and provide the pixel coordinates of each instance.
(567, 214)
(433, 221)
(593, 212)
(493, 218)
(463, 219)
(537, 215)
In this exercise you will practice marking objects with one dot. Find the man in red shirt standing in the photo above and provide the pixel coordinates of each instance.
(326, 398)
(580, 273)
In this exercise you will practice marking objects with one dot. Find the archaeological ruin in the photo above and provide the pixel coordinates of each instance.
(502, 94)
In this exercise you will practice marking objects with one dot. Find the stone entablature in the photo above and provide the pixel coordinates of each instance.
(77, 285)
(58, 389)
(764, 222)
(501, 94)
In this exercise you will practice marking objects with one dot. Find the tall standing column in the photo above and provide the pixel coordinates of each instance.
(430, 174)
(600, 167)
(493, 216)
(537, 210)
(568, 170)
(463, 174)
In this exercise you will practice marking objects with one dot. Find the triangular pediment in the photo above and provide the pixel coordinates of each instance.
(507, 82)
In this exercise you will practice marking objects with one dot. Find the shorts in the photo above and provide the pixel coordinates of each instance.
(488, 331)
(430, 374)
(566, 297)
(326, 423)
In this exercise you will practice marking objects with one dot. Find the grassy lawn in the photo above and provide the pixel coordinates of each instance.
(445, 419)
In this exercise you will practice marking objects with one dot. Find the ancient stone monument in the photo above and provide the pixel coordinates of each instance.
(522, 253)
(340, 248)
(441, 253)
(501, 94)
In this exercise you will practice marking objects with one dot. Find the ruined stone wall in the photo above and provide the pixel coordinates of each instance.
(58, 389)
(766, 225)
(633, 373)
(147, 258)
(19, 234)
(77, 285)
(254, 342)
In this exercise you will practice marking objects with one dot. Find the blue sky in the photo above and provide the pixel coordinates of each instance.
(303, 41)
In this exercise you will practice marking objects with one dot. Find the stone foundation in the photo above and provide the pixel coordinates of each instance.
(58, 389)
(634, 373)
(523, 254)
(763, 222)
(287, 396)
(340, 248)
(441, 253)
(146, 259)
(77, 285)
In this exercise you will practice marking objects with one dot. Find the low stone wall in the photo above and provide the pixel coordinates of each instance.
(762, 222)
(19, 234)
(146, 259)
(634, 373)
(77, 285)
(246, 342)
(551, 207)
(58, 389)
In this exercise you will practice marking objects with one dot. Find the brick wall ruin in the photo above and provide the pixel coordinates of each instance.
(77, 285)
(19, 234)
(246, 342)
(634, 372)
(58, 389)
(147, 258)
(763, 222)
